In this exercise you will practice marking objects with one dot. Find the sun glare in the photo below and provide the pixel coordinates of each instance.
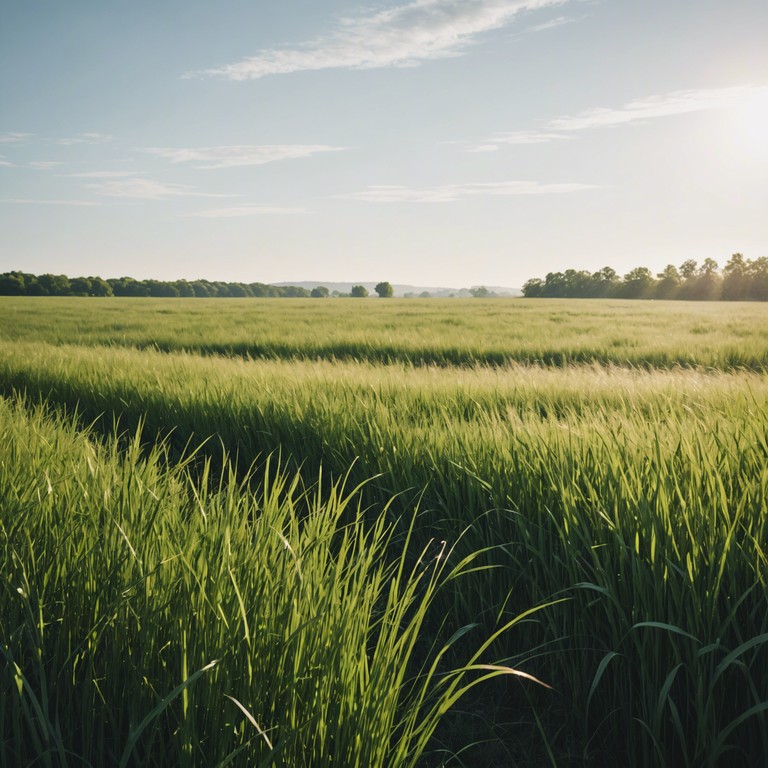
(748, 128)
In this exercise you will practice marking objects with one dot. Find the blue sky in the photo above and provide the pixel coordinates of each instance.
(432, 142)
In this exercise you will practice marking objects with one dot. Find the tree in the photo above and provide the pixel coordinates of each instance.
(359, 291)
(637, 283)
(688, 269)
(669, 282)
(758, 279)
(532, 289)
(384, 290)
(604, 282)
(237, 291)
(81, 286)
(735, 278)
(186, 291)
(319, 292)
(100, 287)
(12, 284)
(56, 285)
(708, 282)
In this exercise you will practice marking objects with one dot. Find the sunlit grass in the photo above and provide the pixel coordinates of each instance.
(151, 618)
(638, 492)
(442, 332)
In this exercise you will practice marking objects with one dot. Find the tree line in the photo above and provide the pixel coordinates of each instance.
(25, 284)
(739, 280)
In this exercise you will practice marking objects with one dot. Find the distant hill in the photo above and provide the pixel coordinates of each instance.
(403, 290)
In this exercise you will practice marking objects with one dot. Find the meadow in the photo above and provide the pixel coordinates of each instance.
(365, 532)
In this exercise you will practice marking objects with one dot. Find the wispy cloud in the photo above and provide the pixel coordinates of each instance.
(675, 103)
(452, 192)
(639, 110)
(519, 137)
(552, 23)
(484, 148)
(13, 137)
(145, 189)
(244, 210)
(84, 138)
(44, 165)
(30, 201)
(401, 36)
(239, 155)
(103, 174)
(5, 163)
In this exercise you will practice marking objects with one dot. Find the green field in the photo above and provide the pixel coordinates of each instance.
(362, 509)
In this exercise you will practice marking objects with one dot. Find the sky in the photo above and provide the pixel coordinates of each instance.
(428, 142)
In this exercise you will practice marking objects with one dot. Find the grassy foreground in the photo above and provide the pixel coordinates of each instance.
(153, 619)
(638, 494)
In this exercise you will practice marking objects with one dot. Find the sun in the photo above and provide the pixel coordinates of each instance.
(748, 127)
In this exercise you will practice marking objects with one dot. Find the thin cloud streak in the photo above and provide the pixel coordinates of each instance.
(519, 137)
(103, 174)
(145, 189)
(402, 36)
(243, 211)
(453, 192)
(239, 155)
(44, 165)
(552, 24)
(14, 137)
(664, 105)
(639, 110)
(84, 138)
(29, 201)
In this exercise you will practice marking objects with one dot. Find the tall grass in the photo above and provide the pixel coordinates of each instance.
(150, 618)
(640, 496)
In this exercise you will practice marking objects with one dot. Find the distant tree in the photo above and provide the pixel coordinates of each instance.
(736, 278)
(132, 287)
(199, 289)
(203, 289)
(319, 292)
(425, 295)
(100, 287)
(262, 290)
(604, 282)
(668, 282)
(708, 282)
(294, 292)
(577, 283)
(688, 269)
(481, 292)
(33, 287)
(55, 285)
(385, 290)
(12, 284)
(638, 283)
(161, 289)
(185, 289)
(359, 291)
(554, 285)
(758, 279)
(532, 289)
(81, 286)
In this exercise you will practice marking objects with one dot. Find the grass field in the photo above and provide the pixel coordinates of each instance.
(351, 506)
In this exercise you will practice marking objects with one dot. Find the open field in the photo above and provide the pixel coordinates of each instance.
(441, 332)
(605, 460)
